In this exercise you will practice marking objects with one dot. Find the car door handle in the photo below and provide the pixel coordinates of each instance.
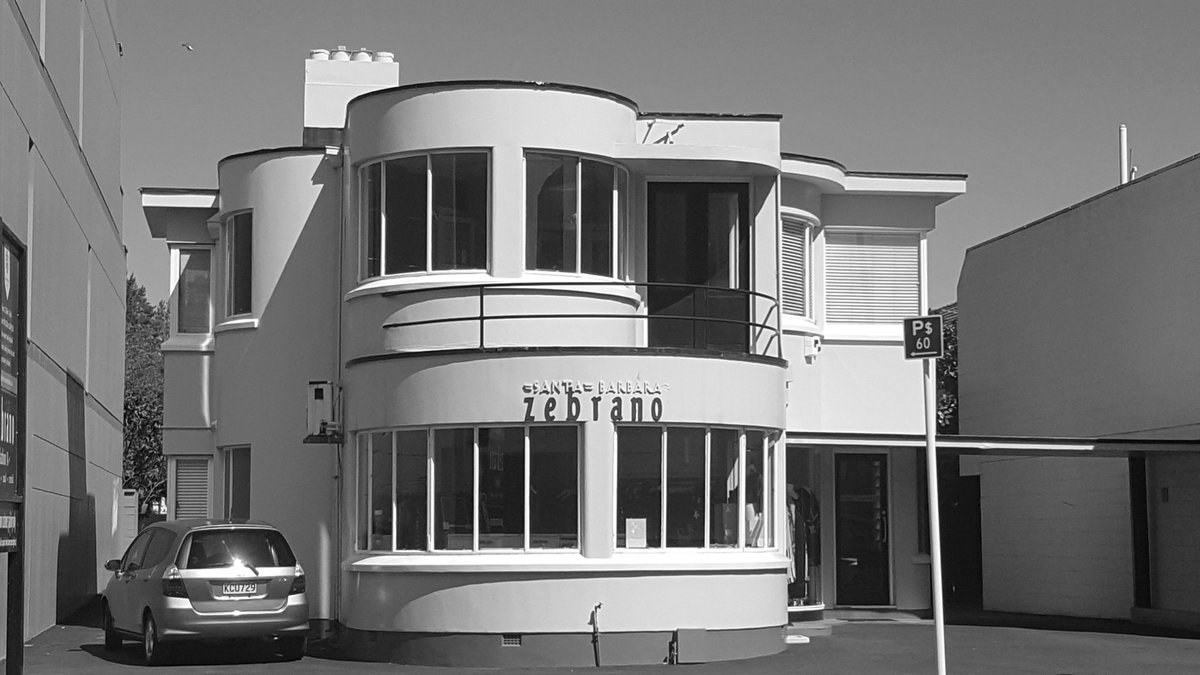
(849, 561)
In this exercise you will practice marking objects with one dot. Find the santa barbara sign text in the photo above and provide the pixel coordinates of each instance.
(576, 400)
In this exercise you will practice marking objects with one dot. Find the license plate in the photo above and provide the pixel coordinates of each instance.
(239, 589)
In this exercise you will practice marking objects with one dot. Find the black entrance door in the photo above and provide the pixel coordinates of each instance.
(863, 551)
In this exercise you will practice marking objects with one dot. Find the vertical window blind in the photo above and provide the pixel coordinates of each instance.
(794, 275)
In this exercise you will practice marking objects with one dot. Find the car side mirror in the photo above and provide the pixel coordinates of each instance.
(112, 565)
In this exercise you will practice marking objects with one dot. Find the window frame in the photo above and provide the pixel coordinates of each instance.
(177, 270)
(227, 477)
(879, 315)
(365, 270)
(770, 454)
(142, 540)
(619, 226)
(806, 276)
(365, 494)
(233, 303)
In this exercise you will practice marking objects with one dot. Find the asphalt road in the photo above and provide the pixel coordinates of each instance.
(859, 648)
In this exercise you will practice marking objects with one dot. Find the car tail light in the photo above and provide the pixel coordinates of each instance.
(172, 583)
(298, 583)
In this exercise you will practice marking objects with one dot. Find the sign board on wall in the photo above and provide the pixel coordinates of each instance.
(12, 456)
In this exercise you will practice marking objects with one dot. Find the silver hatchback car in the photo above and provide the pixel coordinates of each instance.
(206, 579)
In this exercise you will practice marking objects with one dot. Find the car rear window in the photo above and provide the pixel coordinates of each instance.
(225, 548)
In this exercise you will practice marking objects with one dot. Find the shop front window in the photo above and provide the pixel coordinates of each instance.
(693, 487)
(490, 488)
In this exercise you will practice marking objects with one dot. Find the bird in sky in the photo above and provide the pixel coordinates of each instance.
(187, 46)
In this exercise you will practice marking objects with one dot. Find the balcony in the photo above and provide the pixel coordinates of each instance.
(665, 317)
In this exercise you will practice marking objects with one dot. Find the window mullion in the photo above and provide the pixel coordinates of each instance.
(528, 457)
(383, 223)
(807, 280)
(392, 468)
(707, 487)
(616, 483)
(370, 459)
(579, 215)
(662, 511)
(430, 485)
(735, 273)
(428, 212)
(741, 517)
(475, 491)
(614, 224)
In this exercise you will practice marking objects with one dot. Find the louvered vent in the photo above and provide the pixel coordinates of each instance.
(794, 277)
(871, 278)
(510, 640)
(191, 488)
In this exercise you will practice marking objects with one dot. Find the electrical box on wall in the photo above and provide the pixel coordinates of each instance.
(812, 346)
(323, 425)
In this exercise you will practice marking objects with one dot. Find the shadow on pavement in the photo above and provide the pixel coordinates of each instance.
(184, 653)
(193, 653)
(965, 616)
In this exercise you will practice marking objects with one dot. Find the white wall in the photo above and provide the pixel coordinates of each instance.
(1056, 536)
(1080, 325)
(60, 94)
(1173, 493)
(260, 374)
(854, 387)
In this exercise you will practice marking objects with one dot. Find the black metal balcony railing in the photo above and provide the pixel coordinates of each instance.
(687, 316)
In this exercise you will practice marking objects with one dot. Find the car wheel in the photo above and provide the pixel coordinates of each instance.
(112, 639)
(292, 648)
(152, 646)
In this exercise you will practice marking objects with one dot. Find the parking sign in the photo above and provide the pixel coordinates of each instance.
(923, 337)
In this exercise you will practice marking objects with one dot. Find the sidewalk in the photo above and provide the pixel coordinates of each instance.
(1008, 644)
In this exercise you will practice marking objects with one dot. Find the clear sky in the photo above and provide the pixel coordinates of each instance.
(1024, 96)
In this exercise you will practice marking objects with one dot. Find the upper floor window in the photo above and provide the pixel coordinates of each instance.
(871, 277)
(425, 212)
(574, 214)
(193, 309)
(794, 267)
(239, 254)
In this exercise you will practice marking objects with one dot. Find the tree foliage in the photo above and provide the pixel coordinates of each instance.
(146, 327)
(947, 372)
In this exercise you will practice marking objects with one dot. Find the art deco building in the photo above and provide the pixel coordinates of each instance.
(583, 383)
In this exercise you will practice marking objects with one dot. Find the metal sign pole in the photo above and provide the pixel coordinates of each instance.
(935, 530)
(14, 663)
(923, 340)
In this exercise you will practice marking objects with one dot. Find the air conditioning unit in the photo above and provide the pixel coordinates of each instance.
(321, 410)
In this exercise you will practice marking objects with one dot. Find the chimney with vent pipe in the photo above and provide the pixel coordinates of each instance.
(331, 79)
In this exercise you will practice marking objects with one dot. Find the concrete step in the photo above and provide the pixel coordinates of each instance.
(817, 628)
(850, 614)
